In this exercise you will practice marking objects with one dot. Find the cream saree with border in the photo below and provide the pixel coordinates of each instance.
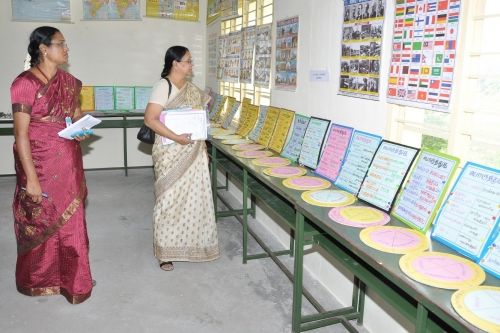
(184, 226)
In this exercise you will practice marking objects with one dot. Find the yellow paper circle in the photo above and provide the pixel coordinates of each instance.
(458, 300)
(348, 199)
(366, 236)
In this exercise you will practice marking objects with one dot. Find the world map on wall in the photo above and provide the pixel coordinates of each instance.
(111, 9)
(41, 10)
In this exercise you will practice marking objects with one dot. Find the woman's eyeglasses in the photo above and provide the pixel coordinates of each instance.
(60, 44)
(189, 61)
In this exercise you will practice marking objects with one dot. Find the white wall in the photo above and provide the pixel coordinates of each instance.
(103, 53)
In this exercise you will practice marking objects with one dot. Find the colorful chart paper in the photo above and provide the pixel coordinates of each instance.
(269, 124)
(248, 118)
(281, 129)
(490, 258)
(227, 137)
(362, 34)
(313, 141)
(358, 216)
(226, 122)
(293, 146)
(218, 100)
(115, 10)
(248, 146)
(142, 97)
(471, 212)
(274, 161)
(236, 141)
(186, 10)
(104, 98)
(423, 53)
(41, 11)
(254, 134)
(254, 154)
(334, 151)
(441, 270)
(226, 110)
(87, 98)
(306, 183)
(386, 173)
(394, 239)
(328, 198)
(480, 306)
(284, 171)
(424, 191)
(358, 158)
(124, 98)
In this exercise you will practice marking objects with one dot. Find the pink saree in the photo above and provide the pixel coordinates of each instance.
(52, 242)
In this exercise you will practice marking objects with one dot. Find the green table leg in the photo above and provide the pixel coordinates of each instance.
(245, 216)
(125, 157)
(298, 270)
(422, 314)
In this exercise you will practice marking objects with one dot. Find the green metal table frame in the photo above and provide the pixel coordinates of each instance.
(123, 123)
(429, 308)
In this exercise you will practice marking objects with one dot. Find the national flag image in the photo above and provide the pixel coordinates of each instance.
(417, 46)
(438, 58)
(434, 84)
(406, 57)
(436, 71)
(447, 69)
(410, 10)
(391, 91)
(438, 44)
(430, 19)
(431, 7)
(423, 83)
(418, 33)
(400, 11)
(428, 32)
(396, 57)
(421, 9)
(394, 68)
(453, 17)
(420, 21)
(412, 82)
(398, 34)
(446, 85)
(411, 94)
(396, 46)
(406, 46)
(428, 45)
(414, 71)
(444, 98)
(402, 93)
(450, 44)
(422, 95)
(393, 80)
(399, 23)
(401, 81)
(449, 58)
(425, 70)
(411, 1)
(427, 57)
(406, 70)
(415, 58)
(443, 5)
(441, 18)
(454, 5)
(408, 34)
(440, 32)
(409, 22)
(451, 31)
(400, 2)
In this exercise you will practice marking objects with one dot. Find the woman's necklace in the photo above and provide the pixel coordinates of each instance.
(43, 74)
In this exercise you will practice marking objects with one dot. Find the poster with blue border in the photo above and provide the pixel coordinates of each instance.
(471, 212)
(490, 259)
(359, 155)
(294, 144)
(104, 98)
(313, 142)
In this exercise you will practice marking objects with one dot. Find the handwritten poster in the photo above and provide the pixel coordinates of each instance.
(386, 173)
(226, 123)
(220, 106)
(104, 98)
(293, 146)
(285, 120)
(361, 48)
(358, 158)
(287, 40)
(225, 110)
(490, 259)
(424, 191)
(268, 128)
(251, 113)
(263, 48)
(246, 64)
(334, 151)
(215, 106)
(471, 212)
(142, 97)
(87, 98)
(423, 53)
(124, 98)
(313, 141)
(254, 134)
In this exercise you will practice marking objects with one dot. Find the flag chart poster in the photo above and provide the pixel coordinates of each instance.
(423, 53)
(361, 48)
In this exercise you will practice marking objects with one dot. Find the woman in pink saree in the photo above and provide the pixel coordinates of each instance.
(48, 207)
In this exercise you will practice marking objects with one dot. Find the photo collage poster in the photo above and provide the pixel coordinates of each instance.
(287, 41)
(213, 10)
(423, 53)
(361, 48)
(263, 48)
(246, 64)
(229, 57)
(186, 10)
(212, 53)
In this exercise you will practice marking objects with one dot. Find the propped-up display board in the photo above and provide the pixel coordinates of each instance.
(358, 158)
(285, 120)
(254, 134)
(313, 141)
(226, 122)
(423, 192)
(334, 152)
(248, 118)
(268, 128)
(294, 144)
(386, 174)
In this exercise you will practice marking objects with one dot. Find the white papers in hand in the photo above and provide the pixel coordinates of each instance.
(86, 122)
(185, 121)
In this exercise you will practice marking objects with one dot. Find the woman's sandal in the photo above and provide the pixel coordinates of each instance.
(167, 266)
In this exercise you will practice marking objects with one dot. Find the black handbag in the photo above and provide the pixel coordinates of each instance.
(146, 134)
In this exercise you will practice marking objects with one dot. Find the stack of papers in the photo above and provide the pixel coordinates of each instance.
(86, 122)
(193, 121)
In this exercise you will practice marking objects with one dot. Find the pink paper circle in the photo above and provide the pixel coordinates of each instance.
(253, 153)
(406, 239)
(286, 171)
(307, 181)
(335, 215)
(443, 268)
(248, 147)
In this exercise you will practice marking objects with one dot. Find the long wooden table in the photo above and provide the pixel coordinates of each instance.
(428, 307)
